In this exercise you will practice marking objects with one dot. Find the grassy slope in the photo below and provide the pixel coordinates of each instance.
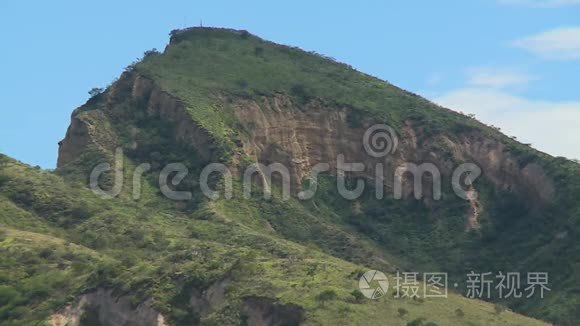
(69, 241)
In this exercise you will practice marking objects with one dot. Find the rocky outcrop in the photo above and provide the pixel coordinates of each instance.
(277, 129)
(76, 140)
(474, 211)
(108, 310)
(262, 311)
(160, 103)
(91, 124)
(204, 302)
(104, 308)
(300, 137)
(502, 168)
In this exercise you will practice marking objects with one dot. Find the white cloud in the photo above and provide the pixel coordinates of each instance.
(434, 79)
(549, 126)
(560, 43)
(497, 77)
(541, 3)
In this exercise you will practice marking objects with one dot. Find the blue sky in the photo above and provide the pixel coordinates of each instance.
(514, 63)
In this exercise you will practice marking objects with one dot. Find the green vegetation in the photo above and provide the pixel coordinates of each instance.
(402, 312)
(202, 64)
(357, 295)
(96, 91)
(59, 240)
(151, 250)
(326, 295)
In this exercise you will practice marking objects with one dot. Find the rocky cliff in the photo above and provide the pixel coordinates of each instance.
(276, 129)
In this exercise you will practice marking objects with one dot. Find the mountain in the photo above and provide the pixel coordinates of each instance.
(71, 255)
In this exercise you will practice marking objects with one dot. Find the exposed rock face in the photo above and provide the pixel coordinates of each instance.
(93, 127)
(263, 311)
(475, 211)
(76, 140)
(300, 136)
(103, 306)
(160, 103)
(110, 310)
(214, 296)
(503, 169)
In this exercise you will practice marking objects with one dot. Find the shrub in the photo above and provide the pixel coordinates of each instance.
(3, 179)
(499, 308)
(9, 295)
(417, 322)
(326, 295)
(150, 53)
(131, 67)
(357, 274)
(402, 312)
(46, 253)
(357, 295)
(300, 92)
(258, 51)
(96, 91)
(353, 119)
(242, 83)
(186, 317)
